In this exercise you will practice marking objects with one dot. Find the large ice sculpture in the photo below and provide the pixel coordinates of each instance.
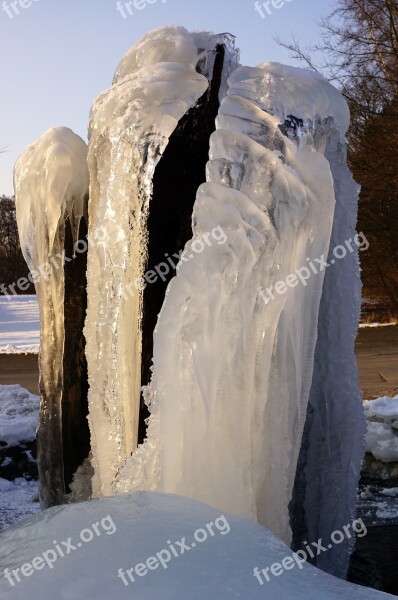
(51, 188)
(165, 90)
(242, 354)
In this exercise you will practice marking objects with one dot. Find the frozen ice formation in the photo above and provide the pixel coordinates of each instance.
(219, 347)
(164, 87)
(51, 183)
(232, 368)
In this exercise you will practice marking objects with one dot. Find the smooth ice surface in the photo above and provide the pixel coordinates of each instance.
(19, 325)
(139, 526)
(19, 415)
(233, 362)
(155, 85)
(382, 428)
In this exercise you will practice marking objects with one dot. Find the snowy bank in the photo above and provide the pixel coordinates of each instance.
(19, 415)
(382, 434)
(19, 325)
(151, 536)
(18, 500)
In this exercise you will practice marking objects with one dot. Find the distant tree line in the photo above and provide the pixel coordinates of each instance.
(359, 50)
(12, 263)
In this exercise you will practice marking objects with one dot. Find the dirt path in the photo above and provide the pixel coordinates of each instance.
(377, 353)
(22, 369)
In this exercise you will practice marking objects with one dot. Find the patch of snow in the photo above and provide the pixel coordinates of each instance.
(366, 325)
(19, 415)
(18, 501)
(386, 512)
(19, 325)
(392, 492)
(382, 434)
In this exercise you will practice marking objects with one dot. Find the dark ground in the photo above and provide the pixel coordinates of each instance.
(377, 353)
(22, 369)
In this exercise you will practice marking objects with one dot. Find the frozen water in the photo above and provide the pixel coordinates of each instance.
(232, 366)
(156, 83)
(333, 443)
(19, 325)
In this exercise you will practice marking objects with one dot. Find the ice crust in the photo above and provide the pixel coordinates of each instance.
(232, 374)
(130, 125)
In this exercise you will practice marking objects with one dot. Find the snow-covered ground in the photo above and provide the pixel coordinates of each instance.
(377, 504)
(18, 501)
(162, 546)
(366, 325)
(19, 325)
(19, 413)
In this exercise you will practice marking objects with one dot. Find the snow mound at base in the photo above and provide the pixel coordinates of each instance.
(382, 434)
(19, 415)
(136, 530)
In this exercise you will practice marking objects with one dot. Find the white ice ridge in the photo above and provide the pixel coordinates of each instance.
(232, 372)
(300, 92)
(155, 85)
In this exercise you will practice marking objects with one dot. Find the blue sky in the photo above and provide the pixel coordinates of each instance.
(58, 55)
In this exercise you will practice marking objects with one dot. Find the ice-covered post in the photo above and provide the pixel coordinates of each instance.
(149, 140)
(51, 187)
